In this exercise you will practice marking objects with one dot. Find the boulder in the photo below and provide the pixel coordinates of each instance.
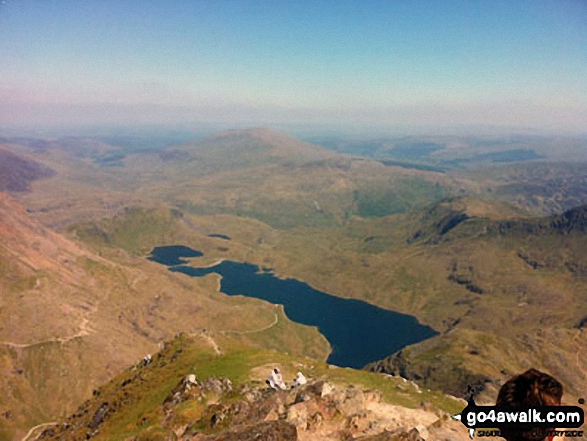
(396, 435)
(99, 416)
(266, 431)
(218, 386)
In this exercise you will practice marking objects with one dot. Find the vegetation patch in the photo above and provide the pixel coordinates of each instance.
(405, 195)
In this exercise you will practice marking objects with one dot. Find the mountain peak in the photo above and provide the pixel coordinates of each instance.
(250, 147)
(252, 131)
(266, 136)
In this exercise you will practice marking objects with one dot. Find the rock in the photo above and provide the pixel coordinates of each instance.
(303, 415)
(372, 395)
(384, 436)
(325, 389)
(303, 396)
(313, 391)
(99, 416)
(217, 385)
(271, 416)
(174, 399)
(358, 423)
(266, 431)
(396, 435)
(315, 420)
(422, 431)
(251, 394)
(353, 401)
(216, 419)
(179, 431)
(47, 433)
(414, 435)
(297, 415)
(179, 393)
(189, 387)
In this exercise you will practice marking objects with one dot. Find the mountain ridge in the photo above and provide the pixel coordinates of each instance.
(572, 221)
(17, 172)
(189, 391)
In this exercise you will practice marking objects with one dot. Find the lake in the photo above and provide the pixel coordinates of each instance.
(358, 332)
(172, 254)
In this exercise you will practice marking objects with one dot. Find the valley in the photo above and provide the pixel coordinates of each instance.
(490, 256)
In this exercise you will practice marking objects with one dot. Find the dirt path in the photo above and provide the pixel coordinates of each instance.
(38, 426)
(205, 335)
(84, 327)
(264, 328)
(136, 280)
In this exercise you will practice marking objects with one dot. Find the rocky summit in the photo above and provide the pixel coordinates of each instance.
(317, 411)
(216, 408)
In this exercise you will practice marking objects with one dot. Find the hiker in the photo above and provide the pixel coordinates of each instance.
(300, 380)
(276, 380)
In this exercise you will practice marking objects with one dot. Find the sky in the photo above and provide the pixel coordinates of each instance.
(398, 64)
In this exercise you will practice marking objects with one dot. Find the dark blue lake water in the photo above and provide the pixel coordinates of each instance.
(358, 332)
(172, 254)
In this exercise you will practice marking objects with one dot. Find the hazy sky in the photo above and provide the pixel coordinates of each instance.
(398, 63)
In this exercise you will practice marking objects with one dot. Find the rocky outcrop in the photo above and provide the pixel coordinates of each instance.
(455, 381)
(155, 401)
(437, 222)
(317, 411)
(573, 221)
(267, 430)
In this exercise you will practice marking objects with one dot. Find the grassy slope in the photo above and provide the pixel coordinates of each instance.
(140, 402)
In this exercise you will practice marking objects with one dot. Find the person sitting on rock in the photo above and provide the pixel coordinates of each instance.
(147, 359)
(300, 380)
(276, 380)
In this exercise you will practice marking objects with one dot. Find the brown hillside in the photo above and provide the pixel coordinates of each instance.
(70, 319)
(16, 173)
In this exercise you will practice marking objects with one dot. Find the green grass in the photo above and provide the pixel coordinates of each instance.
(135, 230)
(308, 341)
(24, 283)
(405, 195)
(278, 213)
(139, 403)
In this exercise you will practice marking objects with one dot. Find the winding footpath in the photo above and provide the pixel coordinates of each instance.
(38, 426)
(85, 330)
(264, 328)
